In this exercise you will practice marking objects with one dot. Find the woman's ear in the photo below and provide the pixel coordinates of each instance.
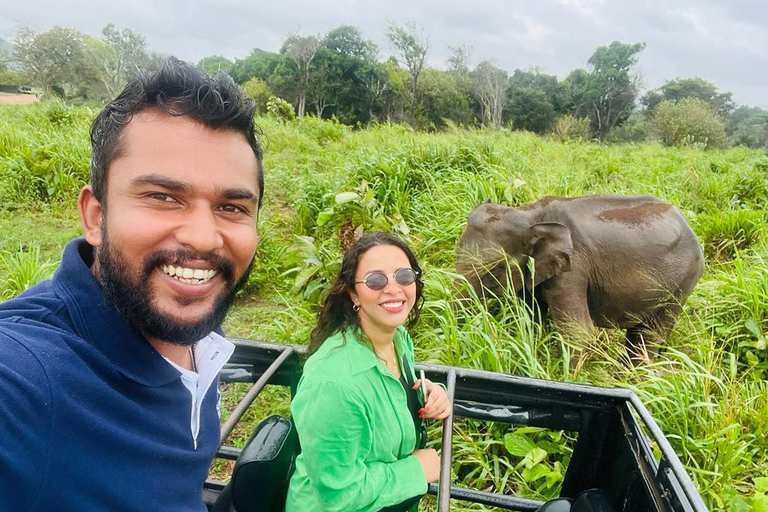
(90, 216)
(353, 297)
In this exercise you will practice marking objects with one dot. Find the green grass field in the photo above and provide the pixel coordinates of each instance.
(708, 390)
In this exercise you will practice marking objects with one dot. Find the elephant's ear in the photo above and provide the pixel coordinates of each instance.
(551, 251)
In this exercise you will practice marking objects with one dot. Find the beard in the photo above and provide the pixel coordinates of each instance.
(131, 294)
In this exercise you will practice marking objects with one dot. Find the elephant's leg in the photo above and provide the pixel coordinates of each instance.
(569, 307)
(570, 314)
(643, 341)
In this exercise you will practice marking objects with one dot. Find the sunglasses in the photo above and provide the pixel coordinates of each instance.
(377, 281)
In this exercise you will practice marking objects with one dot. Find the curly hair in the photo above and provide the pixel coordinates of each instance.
(176, 88)
(336, 313)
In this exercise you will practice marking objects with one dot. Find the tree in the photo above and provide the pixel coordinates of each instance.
(441, 98)
(679, 88)
(259, 91)
(533, 100)
(748, 126)
(411, 44)
(259, 64)
(213, 64)
(458, 62)
(302, 50)
(50, 58)
(530, 109)
(607, 93)
(489, 84)
(118, 57)
(347, 40)
(690, 121)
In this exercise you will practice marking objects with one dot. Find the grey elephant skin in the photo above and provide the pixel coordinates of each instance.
(609, 261)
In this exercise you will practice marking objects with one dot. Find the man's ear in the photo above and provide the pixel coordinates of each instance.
(90, 216)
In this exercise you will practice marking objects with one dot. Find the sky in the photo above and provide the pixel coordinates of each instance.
(723, 41)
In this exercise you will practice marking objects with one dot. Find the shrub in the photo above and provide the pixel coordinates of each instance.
(258, 89)
(689, 122)
(281, 109)
(726, 233)
(23, 269)
(568, 127)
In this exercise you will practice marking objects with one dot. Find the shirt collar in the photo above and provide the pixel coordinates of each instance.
(99, 323)
(361, 356)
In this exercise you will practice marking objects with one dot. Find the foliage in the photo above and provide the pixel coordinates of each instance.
(680, 88)
(748, 126)
(213, 64)
(301, 49)
(489, 84)
(280, 109)
(441, 97)
(258, 89)
(411, 44)
(689, 122)
(326, 182)
(530, 110)
(348, 41)
(725, 233)
(51, 57)
(23, 268)
(607, 93)
(568, 127)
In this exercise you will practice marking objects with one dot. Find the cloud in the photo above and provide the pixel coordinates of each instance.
(723, 42)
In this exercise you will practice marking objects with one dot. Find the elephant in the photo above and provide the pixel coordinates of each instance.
(609, 261)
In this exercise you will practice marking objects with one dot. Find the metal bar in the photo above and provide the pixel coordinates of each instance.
(675, 465)
(444, 488)
(491, 499)
(228, 453)
(249, 397)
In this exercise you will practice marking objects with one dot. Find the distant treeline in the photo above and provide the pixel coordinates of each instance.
(342, 75)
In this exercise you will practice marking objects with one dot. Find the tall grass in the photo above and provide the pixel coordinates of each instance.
(325, 181)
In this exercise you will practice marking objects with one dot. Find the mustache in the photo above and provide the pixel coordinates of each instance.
(178, 257)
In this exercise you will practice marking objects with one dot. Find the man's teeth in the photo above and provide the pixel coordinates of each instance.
(189, 275)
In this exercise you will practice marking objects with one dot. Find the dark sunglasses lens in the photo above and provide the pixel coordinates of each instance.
(405, 276)
(376, 282)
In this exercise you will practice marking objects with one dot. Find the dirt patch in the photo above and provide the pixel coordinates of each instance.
(640, 214)
(7, 98)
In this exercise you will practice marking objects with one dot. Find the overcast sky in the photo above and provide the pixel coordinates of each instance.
(723, 41)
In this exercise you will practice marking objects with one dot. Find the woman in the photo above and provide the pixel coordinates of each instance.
(359, 438)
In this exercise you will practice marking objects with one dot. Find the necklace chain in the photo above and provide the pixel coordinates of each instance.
(192, 358)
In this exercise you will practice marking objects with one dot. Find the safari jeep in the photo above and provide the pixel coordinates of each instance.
(612, 468)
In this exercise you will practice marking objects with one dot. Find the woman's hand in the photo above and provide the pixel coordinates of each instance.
(430, 463)
(438, 406)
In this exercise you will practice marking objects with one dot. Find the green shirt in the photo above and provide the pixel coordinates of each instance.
(356, 432)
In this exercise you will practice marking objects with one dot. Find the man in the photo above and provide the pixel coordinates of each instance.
(109, 371)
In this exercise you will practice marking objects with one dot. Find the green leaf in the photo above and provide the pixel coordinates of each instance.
(324, 216)
(534, 457)
(753, 326)
(535, 472)
(346, 197)
(518, 445)
(304, 276)
(553, 478)
(761, 484)
(760, 503)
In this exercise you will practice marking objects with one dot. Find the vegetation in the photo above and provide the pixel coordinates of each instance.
(325, 182)
(342, 75)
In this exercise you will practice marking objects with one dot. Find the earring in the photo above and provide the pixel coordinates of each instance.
(355, 307)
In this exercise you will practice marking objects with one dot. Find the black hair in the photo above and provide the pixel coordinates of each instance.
(336, 313)
(176, 88)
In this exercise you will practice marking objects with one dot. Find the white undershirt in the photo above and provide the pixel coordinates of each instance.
(211, 353)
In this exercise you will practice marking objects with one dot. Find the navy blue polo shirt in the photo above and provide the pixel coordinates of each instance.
(92, 418)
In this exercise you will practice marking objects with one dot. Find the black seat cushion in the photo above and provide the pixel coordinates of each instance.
(263, 470)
